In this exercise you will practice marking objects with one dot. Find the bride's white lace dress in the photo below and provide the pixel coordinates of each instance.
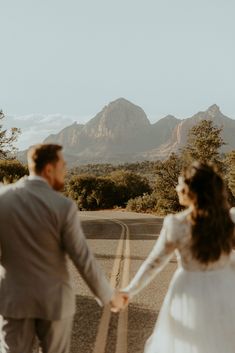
(198, 312)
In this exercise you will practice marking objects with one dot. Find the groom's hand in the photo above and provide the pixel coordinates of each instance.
(119, 301)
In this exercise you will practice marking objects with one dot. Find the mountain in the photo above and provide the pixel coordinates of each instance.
(121, 132)
(115, 134)
(212, 113)
(179, 136)
(68, 136)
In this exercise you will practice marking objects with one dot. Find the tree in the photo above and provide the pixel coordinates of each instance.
(80, 188)
(105, 193)
(11, 171)
(230, 177)
(91, 192)
(129, 185)
(167, 178)
(7, 140)
(99, 192)
(203, 143)
(164, 198)
(146, 203)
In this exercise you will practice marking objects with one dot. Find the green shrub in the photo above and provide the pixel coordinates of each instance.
(11, 171)
(145, 204)
(129, 185)
(92, 192)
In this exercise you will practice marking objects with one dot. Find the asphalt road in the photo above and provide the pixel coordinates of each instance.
(121, 241)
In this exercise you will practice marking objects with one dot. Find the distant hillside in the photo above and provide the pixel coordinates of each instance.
(121, 132)
(179, 135)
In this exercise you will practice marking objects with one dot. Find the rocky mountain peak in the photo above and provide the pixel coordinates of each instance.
(214, 110)
(119, 118)
(123, 111)
(168, 117)
(121, 101)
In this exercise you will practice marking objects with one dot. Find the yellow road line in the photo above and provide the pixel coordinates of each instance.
(122, 330)
(101, 337)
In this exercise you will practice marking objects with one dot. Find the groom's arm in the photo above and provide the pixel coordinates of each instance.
(77, 248)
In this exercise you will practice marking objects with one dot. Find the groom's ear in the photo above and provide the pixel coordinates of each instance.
(48, 170)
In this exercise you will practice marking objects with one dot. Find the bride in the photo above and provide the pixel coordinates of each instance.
(198, 313)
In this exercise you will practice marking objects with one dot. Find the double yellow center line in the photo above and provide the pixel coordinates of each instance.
(119, 277)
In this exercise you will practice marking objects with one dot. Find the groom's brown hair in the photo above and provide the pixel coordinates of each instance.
(42, 154)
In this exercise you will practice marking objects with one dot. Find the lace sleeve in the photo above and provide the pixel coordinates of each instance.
(157, 259)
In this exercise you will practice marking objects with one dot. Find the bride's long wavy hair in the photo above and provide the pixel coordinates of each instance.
(212, 227)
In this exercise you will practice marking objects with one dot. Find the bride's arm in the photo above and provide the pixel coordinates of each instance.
(157, 259)
(232, 214)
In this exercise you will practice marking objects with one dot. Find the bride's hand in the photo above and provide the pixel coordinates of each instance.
(119, 301)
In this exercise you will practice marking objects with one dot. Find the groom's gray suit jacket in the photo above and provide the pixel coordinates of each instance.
(38, 227)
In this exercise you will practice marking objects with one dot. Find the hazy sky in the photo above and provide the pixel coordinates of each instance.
(72, 57)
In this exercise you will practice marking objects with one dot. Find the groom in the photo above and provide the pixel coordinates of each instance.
(38, 227)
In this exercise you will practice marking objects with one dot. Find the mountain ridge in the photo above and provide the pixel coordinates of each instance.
(121, 132)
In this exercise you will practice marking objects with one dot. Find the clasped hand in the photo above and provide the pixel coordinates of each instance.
(119, 301)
